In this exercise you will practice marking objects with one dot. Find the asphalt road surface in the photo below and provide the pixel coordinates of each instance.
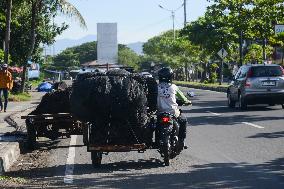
(228, 148)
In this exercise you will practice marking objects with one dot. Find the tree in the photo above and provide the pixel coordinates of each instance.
(37, 8)
(1, 56)
(8, 30)
(87, 52)
(75, 56)
(175, 53)
(66, 59)
(251, 19)
(128, 57)
(255, 53)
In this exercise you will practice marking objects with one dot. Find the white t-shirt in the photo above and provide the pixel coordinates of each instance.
(167, 99)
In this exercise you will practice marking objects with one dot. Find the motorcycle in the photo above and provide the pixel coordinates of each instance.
(167, 136)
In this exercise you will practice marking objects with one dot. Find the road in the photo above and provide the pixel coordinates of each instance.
(228, 148)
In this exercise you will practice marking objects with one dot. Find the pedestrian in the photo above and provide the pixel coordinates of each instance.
(6, 84)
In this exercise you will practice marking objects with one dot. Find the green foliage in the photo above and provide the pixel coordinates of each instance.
(225, 20)
(213, 73)
(19, 97)
(254, 54)
(206, 86)
(128, 57)
(75, 56)
(45, 29)
(1, 56)
(66, 59)
(175, 53)
(87, 52)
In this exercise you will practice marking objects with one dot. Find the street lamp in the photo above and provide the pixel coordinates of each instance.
(173, 11)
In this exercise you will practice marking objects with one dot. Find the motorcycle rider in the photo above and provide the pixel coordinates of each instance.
(168, 96)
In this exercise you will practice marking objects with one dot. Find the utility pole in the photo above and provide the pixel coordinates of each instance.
(241, 48)
(264, 57)
(222, 65)
(185, 12)
(8, 31)
(174, 30)
(173, 11)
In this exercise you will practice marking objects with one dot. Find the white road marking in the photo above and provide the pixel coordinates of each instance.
(253, 125)
(69, 169)
(216, 114)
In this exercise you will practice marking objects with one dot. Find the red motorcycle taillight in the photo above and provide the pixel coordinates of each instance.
(165, 119)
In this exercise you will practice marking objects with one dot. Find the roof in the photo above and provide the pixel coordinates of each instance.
(15, 69)
(91, 63)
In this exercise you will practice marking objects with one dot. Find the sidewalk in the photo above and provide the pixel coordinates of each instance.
(10, 122)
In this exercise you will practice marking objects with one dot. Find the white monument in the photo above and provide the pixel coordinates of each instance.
(107, 47)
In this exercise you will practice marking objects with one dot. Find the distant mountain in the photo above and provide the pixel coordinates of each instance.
(136, 47)
(62, 44)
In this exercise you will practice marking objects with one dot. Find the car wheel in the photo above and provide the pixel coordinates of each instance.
(231, 103)
(242, 102)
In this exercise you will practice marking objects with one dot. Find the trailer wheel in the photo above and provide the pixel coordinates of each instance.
(31, 138)
(96, 159)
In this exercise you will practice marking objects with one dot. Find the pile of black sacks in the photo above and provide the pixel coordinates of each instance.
(117, 104)
(54, 102)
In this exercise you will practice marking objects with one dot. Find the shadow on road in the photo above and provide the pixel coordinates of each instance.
(229, 121)
(228, 117)
(212, 175)
(268, 135)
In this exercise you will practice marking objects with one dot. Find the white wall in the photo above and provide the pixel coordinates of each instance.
(107, 47)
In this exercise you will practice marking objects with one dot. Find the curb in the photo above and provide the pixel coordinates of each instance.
(10, 151)
(8, 155)
(217, 89)
(10, 119)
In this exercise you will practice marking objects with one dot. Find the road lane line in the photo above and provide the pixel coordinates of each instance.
(253, 125)
(69, 169)
(216, 114)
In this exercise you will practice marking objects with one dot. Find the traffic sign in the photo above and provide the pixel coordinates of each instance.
(222, 53)
(279, 28)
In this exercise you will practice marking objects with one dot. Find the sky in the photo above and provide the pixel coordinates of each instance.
(138, 20)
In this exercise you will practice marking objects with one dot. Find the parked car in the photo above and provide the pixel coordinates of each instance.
(257, 84)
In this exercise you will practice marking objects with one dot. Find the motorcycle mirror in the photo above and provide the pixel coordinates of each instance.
(190, 94)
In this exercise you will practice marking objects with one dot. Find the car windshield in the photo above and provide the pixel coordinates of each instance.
(266, 71)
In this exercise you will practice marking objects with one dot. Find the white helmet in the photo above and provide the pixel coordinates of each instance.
(5, 65)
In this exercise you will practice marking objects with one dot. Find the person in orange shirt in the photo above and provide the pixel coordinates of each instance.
(6, 84)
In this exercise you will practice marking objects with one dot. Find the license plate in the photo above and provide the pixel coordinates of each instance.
(268, 83)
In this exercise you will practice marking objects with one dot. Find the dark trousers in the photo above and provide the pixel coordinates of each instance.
(181, 125)
(5, 94)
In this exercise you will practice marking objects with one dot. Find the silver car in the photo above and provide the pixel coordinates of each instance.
(257, 84)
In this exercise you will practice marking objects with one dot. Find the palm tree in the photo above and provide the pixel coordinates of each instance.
(8, 30)
(64, 7)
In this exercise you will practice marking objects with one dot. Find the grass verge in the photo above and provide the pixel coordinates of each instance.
(209, 86)
(35, 83)
(19, 97)
(11, 179)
